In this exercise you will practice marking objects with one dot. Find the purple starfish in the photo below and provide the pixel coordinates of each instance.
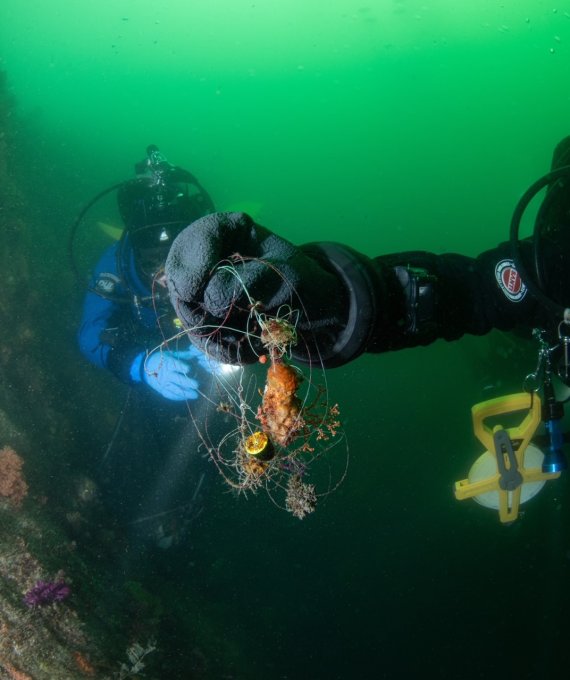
(46, 592)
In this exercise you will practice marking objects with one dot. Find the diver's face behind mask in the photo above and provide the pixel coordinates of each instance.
(150, 246)
(154, 212)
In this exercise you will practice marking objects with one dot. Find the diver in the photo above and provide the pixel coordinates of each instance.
(153, 476)
(350, 303)
(126, 315)
(232, 282)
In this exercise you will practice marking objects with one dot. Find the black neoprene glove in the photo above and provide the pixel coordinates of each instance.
(224, 269)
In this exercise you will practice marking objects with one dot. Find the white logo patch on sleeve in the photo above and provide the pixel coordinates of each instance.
(509, 280)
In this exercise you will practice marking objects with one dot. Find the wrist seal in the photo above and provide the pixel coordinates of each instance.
(362, 282)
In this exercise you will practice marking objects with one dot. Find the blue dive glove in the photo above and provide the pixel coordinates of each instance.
(170, 373)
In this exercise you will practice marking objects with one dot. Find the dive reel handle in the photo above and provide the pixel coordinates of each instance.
(501, 472)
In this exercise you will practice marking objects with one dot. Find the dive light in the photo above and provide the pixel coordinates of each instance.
(552, 414)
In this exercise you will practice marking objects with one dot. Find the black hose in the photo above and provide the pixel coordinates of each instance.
(557, 309)
(75, 226)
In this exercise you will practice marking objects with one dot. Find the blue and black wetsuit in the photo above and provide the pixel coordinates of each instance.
(121, 321)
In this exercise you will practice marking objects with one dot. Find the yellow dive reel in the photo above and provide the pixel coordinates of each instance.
(510, 471)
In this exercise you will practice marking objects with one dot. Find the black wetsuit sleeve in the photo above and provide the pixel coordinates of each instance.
(414, 298)
(467, 296)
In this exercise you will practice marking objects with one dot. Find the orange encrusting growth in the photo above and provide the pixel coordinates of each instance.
(280, 410)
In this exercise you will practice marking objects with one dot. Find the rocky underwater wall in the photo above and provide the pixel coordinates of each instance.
(56, 618)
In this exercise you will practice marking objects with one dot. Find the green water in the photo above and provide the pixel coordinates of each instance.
(389, 126)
